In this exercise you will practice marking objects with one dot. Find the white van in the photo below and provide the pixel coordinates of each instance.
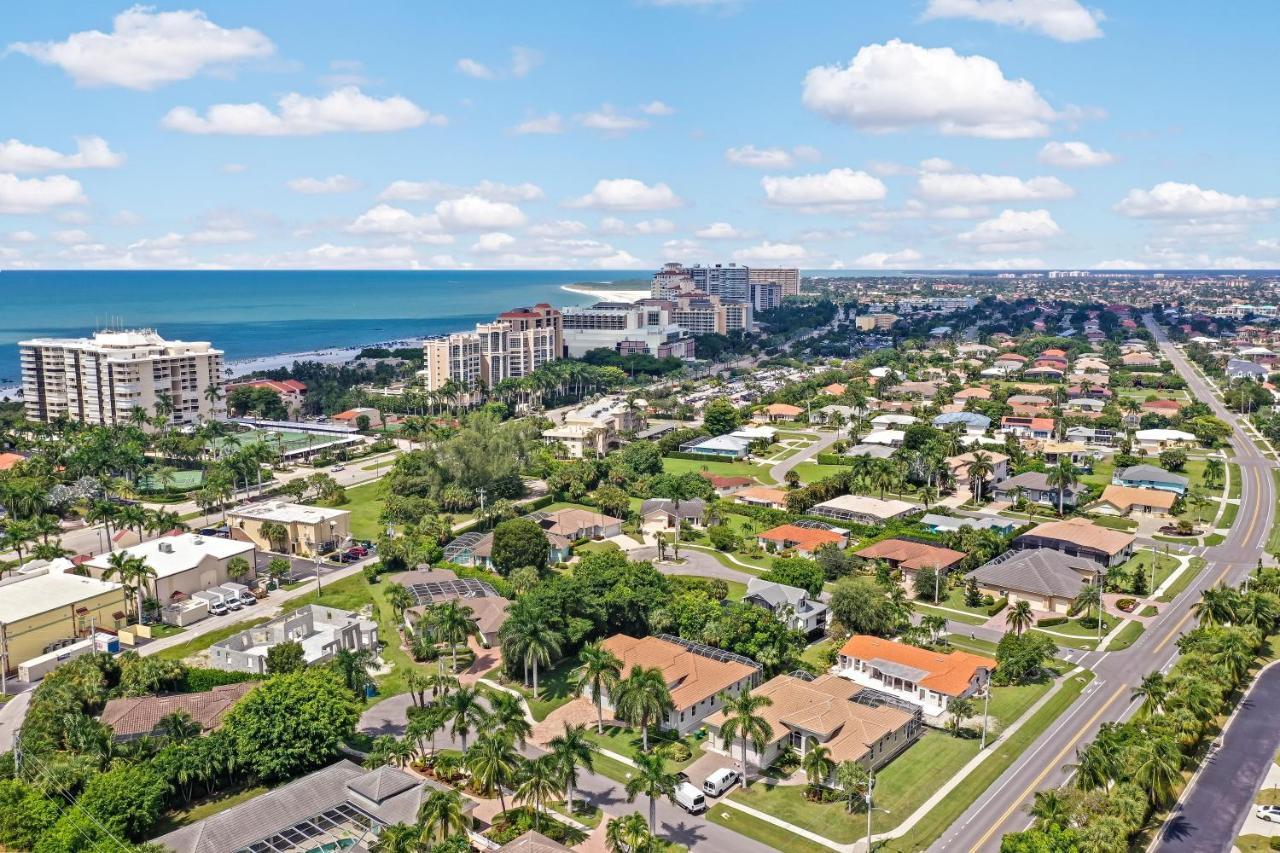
(230, 597)
(214, 600)
(720, 781)
(690, 799)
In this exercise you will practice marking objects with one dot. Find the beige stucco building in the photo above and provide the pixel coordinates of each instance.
(185, 563)
(50, 605)
(311, 529)
(103, 379)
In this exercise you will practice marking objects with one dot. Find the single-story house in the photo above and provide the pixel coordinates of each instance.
(574, 523)
(886, 437)
(1080, 537)
(892, 420)
(720, 446)
(1151, 477)
(762, 496)
(927, 679)
(949, 524)
(1163, 439)
(1123, 500)
(910, 556)
(1028, 426)
(875, 451)
(828, 413)
(959, 467)
(863, 509)
(1076, 451)
(1035, 488)
(802, 540)
(697, 676)
(778, 413)
(726, 485)
(789, 603)
(825, 711)
(134, 717)
(1240, 369)
(660, 513)
(1048, 580)
(973, 423)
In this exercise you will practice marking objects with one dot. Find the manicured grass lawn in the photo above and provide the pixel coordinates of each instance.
(1195, 566)
(1273, 539)
(736, 590)
(596, 547)
(1128, 635)
(924, 833)
(204, 641)
(813, 655)
(1228, 517)
(954, 598)
(365, 503)
(1234, 487)
(726, 469)
(626, 741)
(1253, 844)
(199, 809)
(1141, 562)
(811, 472)
(766, 833)
(583, 812)
(554, 688)
(1125, 524)
(967, 618)
(159, 632)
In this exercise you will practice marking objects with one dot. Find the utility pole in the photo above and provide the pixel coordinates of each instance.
(986, 701)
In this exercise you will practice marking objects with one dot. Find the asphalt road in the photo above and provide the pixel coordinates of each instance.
(1001, 809)
(1211, 814)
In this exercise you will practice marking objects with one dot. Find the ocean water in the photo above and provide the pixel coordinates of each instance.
(250, 314)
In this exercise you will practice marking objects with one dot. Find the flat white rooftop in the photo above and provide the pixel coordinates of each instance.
(287, 513)
(36, 594)
(170, 555)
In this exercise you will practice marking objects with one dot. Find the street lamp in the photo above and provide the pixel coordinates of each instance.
(986, 702)
(871, 783)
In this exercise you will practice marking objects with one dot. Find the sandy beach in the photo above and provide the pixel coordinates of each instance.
(606, 295)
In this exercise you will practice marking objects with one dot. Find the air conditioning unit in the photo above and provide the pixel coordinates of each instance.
(166, 547)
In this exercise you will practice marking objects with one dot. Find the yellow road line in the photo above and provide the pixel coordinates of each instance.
(1030, 789)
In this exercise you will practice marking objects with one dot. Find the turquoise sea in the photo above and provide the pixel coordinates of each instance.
(254, 313)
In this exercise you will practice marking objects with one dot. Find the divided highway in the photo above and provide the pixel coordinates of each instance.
(1002, 808)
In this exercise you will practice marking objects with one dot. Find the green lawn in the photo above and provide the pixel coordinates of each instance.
(596, 547)
(924, 833)
(1141, 562)
(902, 786)
(811, 472)
(766, 833)
(813, 655)
(1194, 568)
(967, 618)
(1234, 487)
(626, 741)
(1125, 524)
(1273, 539)
(1228, 517)
(554, 688)
(365, 502)
(724, 469)
(1128, 635)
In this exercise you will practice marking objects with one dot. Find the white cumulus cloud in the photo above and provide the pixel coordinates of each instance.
(1064, 20)
(888, 260)
(342, 110)
(769, 252)
(771, 158)
(719, 231)
(609, 121)
(547, 124)
(146, 49)
(92, 152)
(657, 108)
(981, 189)
(433, 190)
(614, 225)
(472, 212)
(324, 186)
(627, 194)
(386, 219)
(478, 70)
(1012, 230)
(1073, 155)
(38, 195)
(1173, 200)
(494, 241)
(898, 85)
(837, 187)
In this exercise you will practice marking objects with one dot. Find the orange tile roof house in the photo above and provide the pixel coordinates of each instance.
(763, 496)
(725, 485)
(1079, 537)
(775, 412)
(1122, 500)
(803, 540)
(139, 716)
(696, 675)
(925, 678)
(835, 389)
(826, 711)
(910, 556)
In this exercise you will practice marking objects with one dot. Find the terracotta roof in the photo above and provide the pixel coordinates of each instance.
(763, 493)
(835, 389)
(141, 714)
(1163, 405)
(1126, 497)
(973, 394)
(947, 673)
(912, 555)
(721, 482)
(805, 538)
(1083, 533)
(570, 520)
(8, 460)
(782, 409)
(824, 707)
(690, 676)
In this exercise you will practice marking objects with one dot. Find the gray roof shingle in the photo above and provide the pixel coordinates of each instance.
(1040, 571)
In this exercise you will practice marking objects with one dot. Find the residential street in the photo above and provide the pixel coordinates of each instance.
(1211, 813)
(1001, 809)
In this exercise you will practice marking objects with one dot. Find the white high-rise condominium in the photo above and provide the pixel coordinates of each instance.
(516, 344)
(105, 378)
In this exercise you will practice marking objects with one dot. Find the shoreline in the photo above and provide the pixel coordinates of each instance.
(606, 294)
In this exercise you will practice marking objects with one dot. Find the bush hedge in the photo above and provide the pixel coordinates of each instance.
(1050, 621)
(1001, 604)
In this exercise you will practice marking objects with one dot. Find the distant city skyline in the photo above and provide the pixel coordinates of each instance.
(927, 134)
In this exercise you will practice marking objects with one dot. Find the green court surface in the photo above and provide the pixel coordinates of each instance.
(180, 481)
(281, 441)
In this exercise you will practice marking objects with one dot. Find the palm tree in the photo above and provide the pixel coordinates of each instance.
(642, 697)
(398, 838)
(454, 624)
(1153, 690)
(1089, 598)
(353, 665)
(854, 780)
(817, 765)
(1255, 609)
(532, 642)
(130, 570)
(979, 469)
(628, 834)
(1062, 477)
(464, 712)
(1158, 769)
(1217, 606)
(1234, 654)
(1050, 809)
(441, 815)
(17, 535)
(1213, 471)
(506, 714)
(178, 726)
(652, 779)
(599, 671)
(541, 783)
(494, 764)
(1019, 617)
(743, 721)
(572, 750)
(960, 710)
(103, 512)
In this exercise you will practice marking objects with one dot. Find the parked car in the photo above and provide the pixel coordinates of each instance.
(1268, 813)
(720, 781)
(358, 551)
(339, 468)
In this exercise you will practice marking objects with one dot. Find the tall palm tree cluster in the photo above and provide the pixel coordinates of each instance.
(1133, 768)
(448, 624)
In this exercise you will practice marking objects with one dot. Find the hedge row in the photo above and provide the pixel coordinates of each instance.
(834, 459)
(1050, 621)
(1001, 604)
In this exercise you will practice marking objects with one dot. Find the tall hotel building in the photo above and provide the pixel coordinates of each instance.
(103, 379)
(789, 279)
(516, 344)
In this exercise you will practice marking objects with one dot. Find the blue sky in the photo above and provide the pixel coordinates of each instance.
(918, 134)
